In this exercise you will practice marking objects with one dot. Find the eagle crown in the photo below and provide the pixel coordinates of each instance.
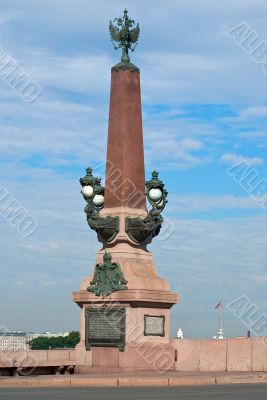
(125, 35)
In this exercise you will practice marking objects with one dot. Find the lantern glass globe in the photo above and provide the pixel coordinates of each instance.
(155, 194)
(98, 200)
(87, 191)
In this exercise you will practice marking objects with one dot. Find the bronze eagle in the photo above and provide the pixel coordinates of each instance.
(125, 35)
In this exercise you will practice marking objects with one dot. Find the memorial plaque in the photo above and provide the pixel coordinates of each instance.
(105, 327)
(154, 325)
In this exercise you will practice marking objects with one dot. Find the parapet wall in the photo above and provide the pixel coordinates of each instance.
(220, 355)
(33, 359)
(234, 355)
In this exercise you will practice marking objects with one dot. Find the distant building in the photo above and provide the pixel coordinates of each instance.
(14, 341)
(31, 335)
(180, 334)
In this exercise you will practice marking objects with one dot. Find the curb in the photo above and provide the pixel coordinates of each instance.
(78, 381)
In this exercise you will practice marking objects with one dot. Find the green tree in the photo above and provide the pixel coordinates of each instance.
(72, 339)
(60, 342)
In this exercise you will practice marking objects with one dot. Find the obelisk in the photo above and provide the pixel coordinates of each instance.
(125, 305)
(125, 176)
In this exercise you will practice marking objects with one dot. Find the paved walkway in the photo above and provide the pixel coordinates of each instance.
(144, 379)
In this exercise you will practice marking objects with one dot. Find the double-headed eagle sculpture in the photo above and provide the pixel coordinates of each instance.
(125, 35)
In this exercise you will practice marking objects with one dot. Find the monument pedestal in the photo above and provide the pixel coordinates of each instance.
(145, 309)
(146, 330)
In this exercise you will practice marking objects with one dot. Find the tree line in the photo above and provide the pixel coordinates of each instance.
(60, 342)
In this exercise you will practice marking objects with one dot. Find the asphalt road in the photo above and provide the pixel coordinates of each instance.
(231, 392)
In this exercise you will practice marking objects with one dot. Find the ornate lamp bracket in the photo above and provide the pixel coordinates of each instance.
(93, 193)
(144, 230)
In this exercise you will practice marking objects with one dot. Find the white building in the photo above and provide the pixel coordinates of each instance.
(32, 335)
(13, 341)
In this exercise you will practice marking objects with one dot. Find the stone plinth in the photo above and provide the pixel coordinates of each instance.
(147, 294)
(141, 352)
(135, 260)
(137, 266)
(137, 303)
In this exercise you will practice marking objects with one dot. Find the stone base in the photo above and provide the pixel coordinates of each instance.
(148, 295)
(144, 352)
(152, 357)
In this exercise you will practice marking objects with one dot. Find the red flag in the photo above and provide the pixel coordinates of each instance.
(219, 305)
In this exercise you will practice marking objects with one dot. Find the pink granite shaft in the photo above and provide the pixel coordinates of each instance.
(125, 182)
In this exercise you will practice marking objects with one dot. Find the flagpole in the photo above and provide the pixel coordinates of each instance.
(220, 331)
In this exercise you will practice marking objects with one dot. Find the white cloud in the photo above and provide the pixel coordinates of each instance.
(208, 203)
(190, 144)
(87, 74)
(253, 112)
(233, 159)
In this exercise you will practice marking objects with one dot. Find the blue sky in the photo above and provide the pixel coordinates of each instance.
(204, 110)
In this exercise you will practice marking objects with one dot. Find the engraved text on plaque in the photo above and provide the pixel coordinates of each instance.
(105, 327)
(154, 325)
